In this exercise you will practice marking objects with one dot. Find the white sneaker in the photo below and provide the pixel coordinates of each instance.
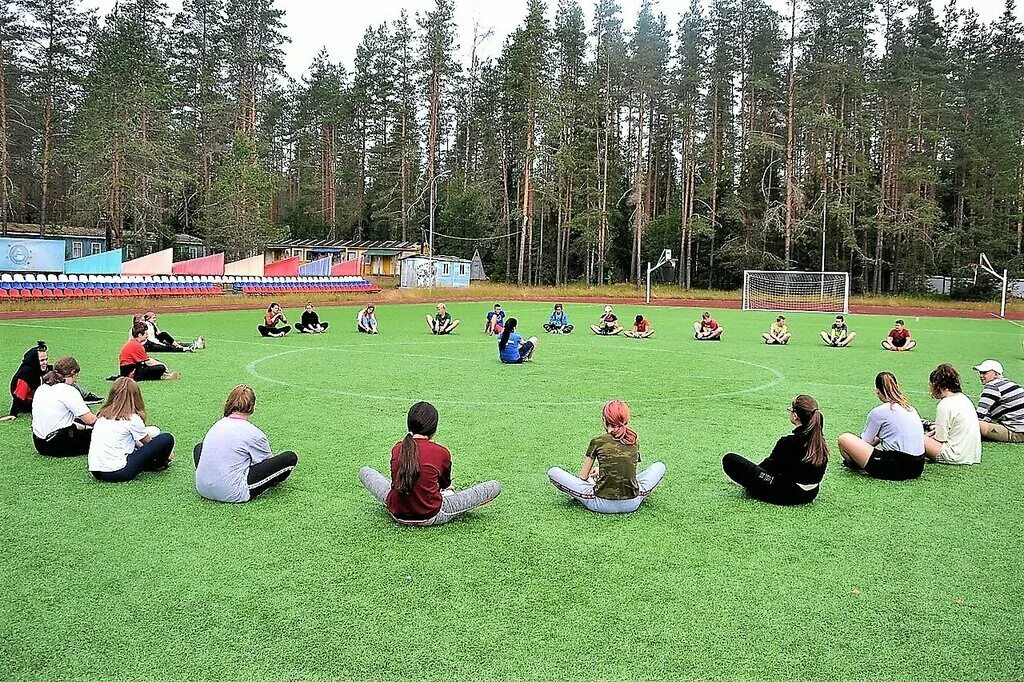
(200, 343)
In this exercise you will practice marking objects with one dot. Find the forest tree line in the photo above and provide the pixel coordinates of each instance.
(738, 137)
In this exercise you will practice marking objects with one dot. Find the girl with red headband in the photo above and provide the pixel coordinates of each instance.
(608, 482)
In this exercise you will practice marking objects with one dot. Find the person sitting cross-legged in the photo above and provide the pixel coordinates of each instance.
(616, 488)
(273, 317)
(956, 435)
(891, 447)
(310, 322)
(234, 462)
(61, 421)
(1001, 406)
(558, 323)
(122, 446)
(135, 362)
(707, 329)
(792, 473)
(778, 334)
(608, 324)
(899, 338)
(441, 323)
(366, 320)
(420, 491)
(642, 328)
(839, 335)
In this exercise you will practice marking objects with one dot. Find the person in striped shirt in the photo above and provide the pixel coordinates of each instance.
(1001, 407)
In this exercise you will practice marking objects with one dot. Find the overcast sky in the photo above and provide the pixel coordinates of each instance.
(338, 25)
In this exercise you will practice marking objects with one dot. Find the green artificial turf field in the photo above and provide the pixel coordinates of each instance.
(887, 581)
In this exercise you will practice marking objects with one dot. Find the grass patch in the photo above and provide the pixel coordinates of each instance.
(889, 581)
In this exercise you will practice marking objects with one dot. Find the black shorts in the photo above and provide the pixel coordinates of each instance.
(892, 465)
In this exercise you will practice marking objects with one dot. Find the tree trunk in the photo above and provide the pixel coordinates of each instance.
(790, 141)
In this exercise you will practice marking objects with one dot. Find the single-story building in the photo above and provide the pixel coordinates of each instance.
(380, 258)
(88, 241)
(449, 272)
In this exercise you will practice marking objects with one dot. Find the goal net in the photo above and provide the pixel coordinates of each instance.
(826, 292)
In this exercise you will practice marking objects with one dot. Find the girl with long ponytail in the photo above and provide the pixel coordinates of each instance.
(61, 420)
(512, 350)
(892, 444)
(792, 473)
(420, 490)
(608, 482)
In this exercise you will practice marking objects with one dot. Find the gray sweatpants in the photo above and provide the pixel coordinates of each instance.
(451, 505)
(583, 491)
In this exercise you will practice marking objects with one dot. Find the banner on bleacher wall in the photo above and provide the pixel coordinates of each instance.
(106, 263)
(158, 263)
(247, 267)
(349, 268)
(206, 265)
(32, 255)
(321, 267)
(289, 267)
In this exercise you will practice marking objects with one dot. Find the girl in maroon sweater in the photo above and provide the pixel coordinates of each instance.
(419, 492)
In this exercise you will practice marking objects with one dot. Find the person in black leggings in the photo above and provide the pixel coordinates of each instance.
(792, 473)
(274, 317)
(61, 421)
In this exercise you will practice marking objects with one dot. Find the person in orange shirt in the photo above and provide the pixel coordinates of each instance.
(642, 329)
(135, 362)
(707, 329)
(274, 317)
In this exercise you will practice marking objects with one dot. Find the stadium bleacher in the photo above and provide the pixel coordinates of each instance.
(113, 286)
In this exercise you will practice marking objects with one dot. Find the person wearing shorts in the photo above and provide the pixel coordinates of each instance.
(899, 338)
(839, 335)
(778, 334)
(891, 447)
(441, 323)
(642, 328)
(495, 321)
(608, 325)
(707, 329)
(1001, 406)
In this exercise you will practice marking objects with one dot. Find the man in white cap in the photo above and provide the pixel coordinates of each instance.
(608, 325)
(1001, 407)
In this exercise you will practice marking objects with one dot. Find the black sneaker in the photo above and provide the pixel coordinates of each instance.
(92, 399)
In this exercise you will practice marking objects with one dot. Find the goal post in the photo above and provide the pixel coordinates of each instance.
(787, 291)
(1003, 278)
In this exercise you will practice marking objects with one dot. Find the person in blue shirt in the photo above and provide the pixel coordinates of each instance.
(366, 320)
(511, 348)
(558, 323)
(495, 320)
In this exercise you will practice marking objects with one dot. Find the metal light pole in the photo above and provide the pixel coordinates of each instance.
(430, 239)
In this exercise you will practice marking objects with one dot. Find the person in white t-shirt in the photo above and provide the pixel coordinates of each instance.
(956, 438)
(891, 447)
(122, 445)
(61, 421)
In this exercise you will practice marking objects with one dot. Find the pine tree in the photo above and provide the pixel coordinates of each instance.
(239, 221)
(254, 31)
(12, 39)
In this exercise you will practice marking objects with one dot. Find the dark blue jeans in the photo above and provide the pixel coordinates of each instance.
(153, 456)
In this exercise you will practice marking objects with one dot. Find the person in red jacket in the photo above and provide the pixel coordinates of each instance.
(642, 328)
(899, 338)
(419, 492)
(707, 329)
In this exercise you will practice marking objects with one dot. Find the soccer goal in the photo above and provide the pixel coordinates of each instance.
(1002, 278)
(825, 292)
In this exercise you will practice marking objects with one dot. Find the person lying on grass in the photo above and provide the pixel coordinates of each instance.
(442, 323)
(271, 319)
(892, 445)
(778, 334)
(839, 335)
(1001, 406)
(158, 341)
(792, 473)
(366, 320)
(608, 482)
(135, 362)
(61, 421)
(899, 338)
(27, 378)
(420, 491)
(234, 462)
(122, 446)
(558, 323)
(707, 329)
(512, 350)
(642, 329)
(310, 322)
(608, 324)
(495, 321)
(955, 437)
